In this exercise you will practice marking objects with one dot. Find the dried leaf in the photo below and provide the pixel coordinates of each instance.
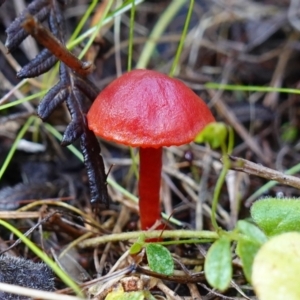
(76, 90)
(87, 88)
(95, 168)
(53, 98)
(15, 33)
(56, 23)
(42, 63)
(72, 133)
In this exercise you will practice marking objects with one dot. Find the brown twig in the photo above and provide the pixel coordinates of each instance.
(49, 41)
(184, 278)
(246, 166)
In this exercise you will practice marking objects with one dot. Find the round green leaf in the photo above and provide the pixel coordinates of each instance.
(159, 259)
(218, 267)
(275, 216)
(276, 268)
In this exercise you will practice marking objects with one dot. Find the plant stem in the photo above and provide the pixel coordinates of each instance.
(175, 234)
(149, 186)
(217, 191)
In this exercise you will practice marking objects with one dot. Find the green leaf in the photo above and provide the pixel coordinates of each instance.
(159, 259)
(275, 216)
(248, 244)
(218, 267)
(138, 245)
(251, 231)
(246, 250)
(214, 133)
(276, 268)
(135, 248)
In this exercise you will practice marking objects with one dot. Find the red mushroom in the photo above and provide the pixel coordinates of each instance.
(147, 109)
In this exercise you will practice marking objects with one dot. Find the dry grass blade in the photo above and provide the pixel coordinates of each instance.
(18, 290)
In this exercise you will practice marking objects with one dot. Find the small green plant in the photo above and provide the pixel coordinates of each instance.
(271, 216)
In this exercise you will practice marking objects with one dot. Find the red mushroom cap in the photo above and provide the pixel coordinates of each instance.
(144, 108)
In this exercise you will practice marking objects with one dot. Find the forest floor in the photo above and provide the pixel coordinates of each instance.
(245, 45)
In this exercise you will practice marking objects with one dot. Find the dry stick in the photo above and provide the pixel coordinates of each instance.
(194, 291)
(184, 278)
(246, 166)
(19, 215)
(167, 291)
(49, 41)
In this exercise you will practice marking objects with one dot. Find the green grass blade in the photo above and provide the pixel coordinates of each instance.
(182, 39)
(83, 20)
(161, 25)
(98, 27)
(130, 46)
(15, 144)
(20, 101)
(250, 88)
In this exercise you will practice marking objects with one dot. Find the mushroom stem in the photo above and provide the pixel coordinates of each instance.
(149, 186)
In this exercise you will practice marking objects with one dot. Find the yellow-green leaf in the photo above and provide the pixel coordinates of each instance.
(276, 268)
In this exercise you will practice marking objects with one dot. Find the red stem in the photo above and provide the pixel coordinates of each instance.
(149, 186)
